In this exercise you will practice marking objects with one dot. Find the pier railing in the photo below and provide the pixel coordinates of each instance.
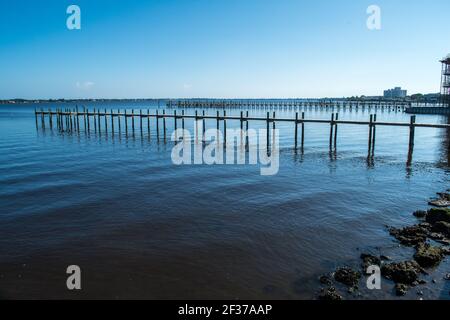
(74, 120)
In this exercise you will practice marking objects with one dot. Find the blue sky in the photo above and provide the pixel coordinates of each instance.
(220, 48)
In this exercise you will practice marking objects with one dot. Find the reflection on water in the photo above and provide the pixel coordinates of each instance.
(138, 226)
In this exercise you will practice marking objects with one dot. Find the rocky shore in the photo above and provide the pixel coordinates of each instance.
(430, 239)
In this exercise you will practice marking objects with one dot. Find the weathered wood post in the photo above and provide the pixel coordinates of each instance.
(99, 123)
(157, 123)
(50, 117)
(296, 130)
(303, 129)
(370, 133)
(118, 120)
(126, 121)
(412, 133)
(182, 119)
(140, 119)
(335, 130)
(132, 120)
(224, 127)
(175, 119)
(374, 132)
(203, 126)
(267, 128)
(112, 121)
(148, 123)
(218, 120)
(164, 123)
(246, 129)
(331, 130)
(84, 119)
(87, 120)
(106, 121)
(78, 118)
(36, 118)
(42, 119)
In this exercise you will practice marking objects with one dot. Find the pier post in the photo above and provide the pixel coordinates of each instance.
(224, 128)
(335, 130)
(112, 122)
(140, 118)
(412, 133)
(95, 121)
(99, 124)
(331, 130)
(175, 119)
(50, 117)
(246, 130)
(267, 128)
(78, 119)
(182, 119)
(303, 130)
(42, 119)
(374, 133)
(370, 133)
(148, 123)
(132, 120)
(106, 121)
(84, 119)
(164, 123)
(296, 130)
(118, 120)
(157, 123)
(126, 121)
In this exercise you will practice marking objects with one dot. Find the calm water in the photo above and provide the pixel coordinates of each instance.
(140, 227)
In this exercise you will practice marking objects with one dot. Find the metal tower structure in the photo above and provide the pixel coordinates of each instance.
(445, 82)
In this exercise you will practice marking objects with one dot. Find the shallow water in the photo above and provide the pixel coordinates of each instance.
(141, 227)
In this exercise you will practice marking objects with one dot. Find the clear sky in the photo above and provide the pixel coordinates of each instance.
(220, 48)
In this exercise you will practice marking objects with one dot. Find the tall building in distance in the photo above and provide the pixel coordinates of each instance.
(395, 93)
(445, 81)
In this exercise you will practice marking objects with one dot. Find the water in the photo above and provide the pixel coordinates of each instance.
(140, 227)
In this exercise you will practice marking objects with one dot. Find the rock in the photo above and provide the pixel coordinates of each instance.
(436, 236)
(428, 256)
(385, 258)
(403, 272)
(421, 281)
(420, 293)
(440, 203)
(447, 276)
(330, 294)
(420, 214)
(401, 289)
(445, 251)
(325, 280)
(444, 195)
(347, 276)
(442, 227)
(369, 260)
(435, 215)
(410, 236)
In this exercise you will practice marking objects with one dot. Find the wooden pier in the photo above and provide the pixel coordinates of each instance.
(75, 120)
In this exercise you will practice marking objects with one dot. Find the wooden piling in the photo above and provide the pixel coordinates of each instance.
(412, 133)
(335, 130)
(118, 120)
(331, 129)
(303, 130)
(370, 133)
(296, 130)
(164, 123)
(126, 121)
(106, 122)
